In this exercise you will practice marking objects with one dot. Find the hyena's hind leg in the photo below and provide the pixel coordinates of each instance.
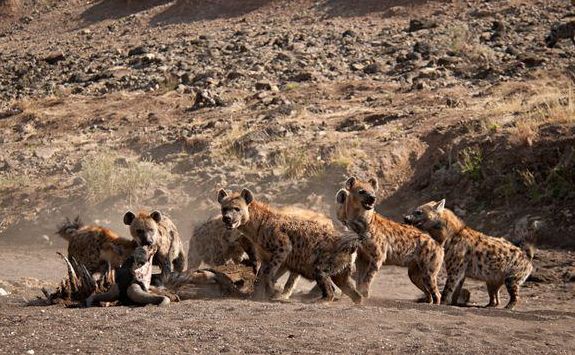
(290, 285)
(327, 290)
(512, 286)
(414, 273)
(493, 290)
(455, 274)
(345, 284)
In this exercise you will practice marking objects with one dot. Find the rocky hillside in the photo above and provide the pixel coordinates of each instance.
(111, 105)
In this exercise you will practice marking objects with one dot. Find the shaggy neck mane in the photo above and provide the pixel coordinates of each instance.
(260, 213)
(451, 226)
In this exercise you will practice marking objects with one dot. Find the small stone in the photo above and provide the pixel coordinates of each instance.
(263, 86)
(348, 33)
(420, 24)
(78, 181)
(372, 68)
(305, 76)
(428, 73)
(44, 153)
(137, 51)
(30, 352)
(121, 162)
(160, 192)
(3, 292)
(54, 57)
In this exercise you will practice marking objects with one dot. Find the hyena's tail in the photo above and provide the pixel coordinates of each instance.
(67, 229)
(349, 243)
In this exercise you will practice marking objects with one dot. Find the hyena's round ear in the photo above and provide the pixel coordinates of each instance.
(247, 195)
(129, 218)
(341, 196)
(373, 182)
(156, 216)
(440, 206)
(350, 182)
(221, 195)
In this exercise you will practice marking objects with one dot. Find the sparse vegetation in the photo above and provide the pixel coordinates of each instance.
(13, 180)
(460, 40)
(345, 153)
(106, 178)
(291, 86)
(298, 163)
(524, 132)
(470, 161)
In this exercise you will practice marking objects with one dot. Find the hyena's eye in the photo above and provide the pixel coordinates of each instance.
(361, 192)
(418, 213)
(237, 209)
(140, 232)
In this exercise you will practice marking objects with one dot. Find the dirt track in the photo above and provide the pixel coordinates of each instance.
(389, 322)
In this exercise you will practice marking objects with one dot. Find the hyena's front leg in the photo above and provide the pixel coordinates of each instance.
(361, 266)
(376, 259)
(267, 274)
(493, 290)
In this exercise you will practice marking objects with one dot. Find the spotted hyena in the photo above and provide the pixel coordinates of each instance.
(304, 247)
(469, 253)
(213, 244)
(387, 242)
(155, 229)
(94, 246)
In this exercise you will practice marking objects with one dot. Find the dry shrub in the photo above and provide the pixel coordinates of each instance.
(298, 162)
(105, 178)
(13, 180)
(524, 132)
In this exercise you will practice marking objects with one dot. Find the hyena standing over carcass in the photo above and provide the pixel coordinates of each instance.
(469, 253)
(387, 242)
(305, 247)
(155, 229)
(95, 247)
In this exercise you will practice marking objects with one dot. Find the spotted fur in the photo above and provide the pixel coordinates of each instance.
(306, 247)
(470, 253)
(155, 229)
(387, 242)
(95, 246)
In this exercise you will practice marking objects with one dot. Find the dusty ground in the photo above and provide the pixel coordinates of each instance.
(389, 322)
(113, 105)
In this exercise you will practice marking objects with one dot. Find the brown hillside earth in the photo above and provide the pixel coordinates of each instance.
(109, 106)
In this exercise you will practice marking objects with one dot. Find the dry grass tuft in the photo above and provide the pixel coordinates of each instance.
(297, 163)
(105, 178)
(524, 132)
(13, 180)
(470, 161)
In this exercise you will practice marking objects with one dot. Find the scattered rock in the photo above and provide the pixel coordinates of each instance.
(54, 57)
(137, 51)
(304, 76)
(206, 98)
(420, 24)
(44, 153)
(373, 68)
